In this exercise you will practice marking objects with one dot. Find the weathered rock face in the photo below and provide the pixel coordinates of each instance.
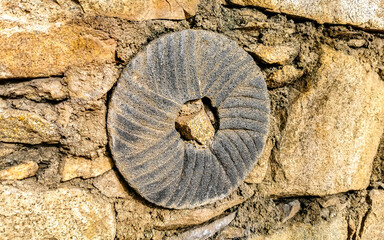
(373, 228)
(362, 13)
(26, 127)
(332, 132)
(19, 171)
(39, 42)
(63, 213)
(337, 228)
(74, 167)
(139, 10)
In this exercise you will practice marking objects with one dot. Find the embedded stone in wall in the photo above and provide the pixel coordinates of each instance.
(83, 127)
(362, 13)
(258, 173)
(284, 76)
(64, 213)
(19, 171)
(51, 89)
(279, 54)
(110, 185)
(139, 10)
(90, 82)
(332, 131)
(373, 225)
(74, 167)
(145, 144)
(20, 126)
(336, 228)
(50, 50)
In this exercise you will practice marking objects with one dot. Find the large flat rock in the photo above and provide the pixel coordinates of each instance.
(64, 213)
(362, 13)
(139, 10)
(332, 132)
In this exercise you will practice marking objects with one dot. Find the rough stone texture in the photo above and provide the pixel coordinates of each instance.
(110, 185)
(362, 13)
(19, 171)
(26, 127)
(90, 82)
(135, 216)
(373, 226)
(64, 213)
(145, 145)
(196, 126)
(27, 53)
(281, 77)
(337, 228)
(280, 54)
(332, 131)
(139, 10)
(83, 127)
(51, 89)
(74, 167)
(204, 232)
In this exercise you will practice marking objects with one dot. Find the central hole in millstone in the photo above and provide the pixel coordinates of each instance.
(197, 121)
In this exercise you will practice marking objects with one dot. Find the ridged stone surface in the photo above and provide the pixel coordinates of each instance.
(147, 149)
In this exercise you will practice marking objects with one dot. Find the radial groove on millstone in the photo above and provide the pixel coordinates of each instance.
(170, 71)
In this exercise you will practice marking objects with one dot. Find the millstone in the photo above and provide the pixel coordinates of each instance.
(149, 151)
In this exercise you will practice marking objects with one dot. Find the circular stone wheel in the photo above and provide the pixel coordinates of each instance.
(170, 71)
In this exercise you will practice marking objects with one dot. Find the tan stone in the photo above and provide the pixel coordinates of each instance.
(281, 77)
(110, 185)
(37, 90)
(337, 228)
(64, 213)
(19, 126)
(50, 49)
(373, 226)
(74, 167)
(91, 82)
(139, 10)
(195, 126)
(135, 216)
(258, 173)
(332, 131)
(19, 171)
(279, 54)
(82, 124)
(362, 13)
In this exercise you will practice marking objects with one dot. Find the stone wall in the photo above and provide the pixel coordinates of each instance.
(321, 175)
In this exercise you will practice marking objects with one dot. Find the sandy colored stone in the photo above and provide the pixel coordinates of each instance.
(335, 229)
(110, 185)
(373, 226)
(135, 216)
(332, 131)
(40, 49)
(19, 126)
(64, 213)
(90, 82)
(74, 167)
(281, 77)
(139, 10)
(206, 231)
(194, 124)
(19, 171)
(37, 90)
(362, 13)
(82, 124)
(258, 173)
(279, 54)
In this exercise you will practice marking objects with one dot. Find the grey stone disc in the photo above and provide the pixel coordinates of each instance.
(147, 149)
